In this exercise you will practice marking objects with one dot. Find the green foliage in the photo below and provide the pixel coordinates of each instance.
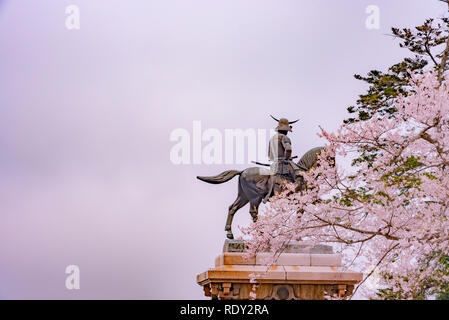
(427, 45)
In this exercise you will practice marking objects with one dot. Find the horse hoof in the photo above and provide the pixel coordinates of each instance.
(230, 235)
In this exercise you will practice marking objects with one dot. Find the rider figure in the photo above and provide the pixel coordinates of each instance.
(280, 152)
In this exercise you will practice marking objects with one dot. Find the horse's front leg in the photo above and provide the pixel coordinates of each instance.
(254, 209)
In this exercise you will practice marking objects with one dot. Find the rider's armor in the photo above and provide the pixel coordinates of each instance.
(279, 151)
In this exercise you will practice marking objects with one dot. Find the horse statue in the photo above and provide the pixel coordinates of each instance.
(253, 185)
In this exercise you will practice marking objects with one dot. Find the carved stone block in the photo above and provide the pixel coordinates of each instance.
(302, 274)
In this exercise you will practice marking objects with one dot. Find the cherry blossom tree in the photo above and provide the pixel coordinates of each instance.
(387, 209)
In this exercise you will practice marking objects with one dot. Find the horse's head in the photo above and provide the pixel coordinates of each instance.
(308, 161)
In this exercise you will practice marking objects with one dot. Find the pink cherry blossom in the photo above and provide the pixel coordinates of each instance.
(388, 215)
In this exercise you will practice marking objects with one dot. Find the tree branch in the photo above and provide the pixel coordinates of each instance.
(378, 263)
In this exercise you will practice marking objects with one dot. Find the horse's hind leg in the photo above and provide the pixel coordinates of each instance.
(238, 203)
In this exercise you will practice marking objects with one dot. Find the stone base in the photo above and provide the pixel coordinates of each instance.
(292, 247)
(241, 291)
(301, 274)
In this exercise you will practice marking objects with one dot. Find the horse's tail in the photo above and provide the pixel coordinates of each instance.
(222, 177)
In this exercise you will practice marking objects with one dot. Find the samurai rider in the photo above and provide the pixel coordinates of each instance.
(280, 153)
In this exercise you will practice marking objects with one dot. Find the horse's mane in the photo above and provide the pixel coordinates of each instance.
(308, 159)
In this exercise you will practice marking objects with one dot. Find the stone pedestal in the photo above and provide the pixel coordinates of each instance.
(304, 271)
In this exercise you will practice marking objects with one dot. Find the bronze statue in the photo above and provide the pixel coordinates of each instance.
(256, 184)
(280, 152)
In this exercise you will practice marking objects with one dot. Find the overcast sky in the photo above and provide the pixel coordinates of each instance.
(86, 116)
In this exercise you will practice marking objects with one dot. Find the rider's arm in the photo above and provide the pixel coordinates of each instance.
(286, 143)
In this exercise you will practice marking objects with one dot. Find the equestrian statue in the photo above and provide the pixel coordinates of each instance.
(257, 184)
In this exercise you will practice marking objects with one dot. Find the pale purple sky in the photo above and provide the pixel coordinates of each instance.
(85, 119)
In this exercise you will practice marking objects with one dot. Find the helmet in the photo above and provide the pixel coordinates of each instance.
(284, 124)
